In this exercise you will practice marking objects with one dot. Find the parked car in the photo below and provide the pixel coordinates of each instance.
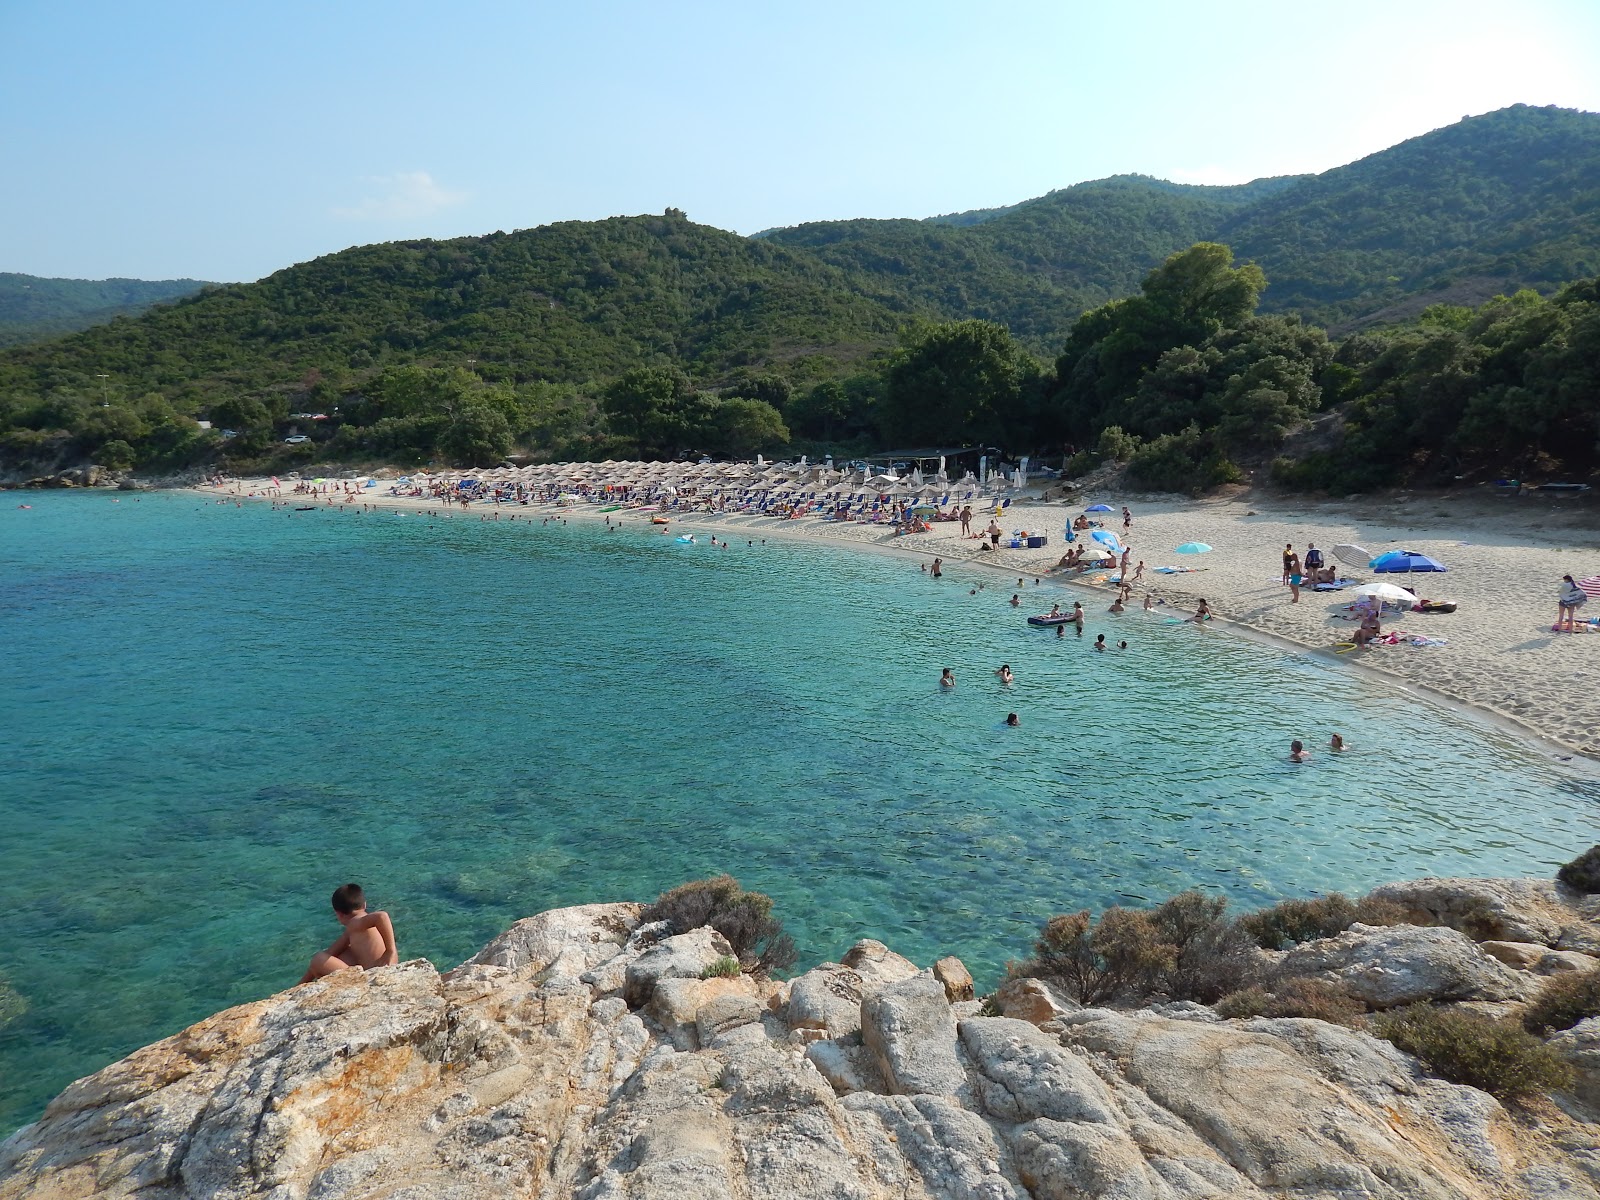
(298, 439)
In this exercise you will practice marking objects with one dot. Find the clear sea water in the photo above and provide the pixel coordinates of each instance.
(212, 715)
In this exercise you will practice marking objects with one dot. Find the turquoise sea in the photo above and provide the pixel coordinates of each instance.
(212, 715)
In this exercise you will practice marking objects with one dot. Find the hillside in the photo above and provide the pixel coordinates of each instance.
(1494, 203)
(571, 302)
(33, 309)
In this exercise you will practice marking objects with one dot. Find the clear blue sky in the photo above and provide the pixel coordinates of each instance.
(225, 141)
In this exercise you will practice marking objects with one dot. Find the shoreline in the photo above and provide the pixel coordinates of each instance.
(1472, 674)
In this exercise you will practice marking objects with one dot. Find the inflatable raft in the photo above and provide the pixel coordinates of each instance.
(1047, 621)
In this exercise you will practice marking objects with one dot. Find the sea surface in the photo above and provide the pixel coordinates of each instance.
(211, 715)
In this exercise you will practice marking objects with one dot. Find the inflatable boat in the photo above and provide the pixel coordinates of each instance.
(1047, 621)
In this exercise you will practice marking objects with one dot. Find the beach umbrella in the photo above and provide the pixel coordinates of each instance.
(1590, 586)
(1355, 556)
(1405, 561)
(1106, 538)
(1386, 593)
(1099, 508)
(1193, 548)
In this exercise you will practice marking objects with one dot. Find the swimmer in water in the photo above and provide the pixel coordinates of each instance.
(1015, 600)
(1005, 673)
(947, 679)
(1298, 753)
(1013, 719)
(1100, 642)
(1122, 645)
(1336, 743)
(1061, 631)
(1116, 605)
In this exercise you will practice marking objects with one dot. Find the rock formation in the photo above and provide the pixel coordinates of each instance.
(582, 1055)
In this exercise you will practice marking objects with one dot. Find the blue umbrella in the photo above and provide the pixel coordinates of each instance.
(1397, 562)
(1106, 538)
(1193, 548)
(1099, 508)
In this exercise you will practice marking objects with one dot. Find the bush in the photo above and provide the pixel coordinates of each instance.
(1097, 961)
(1312, 998)
(744, 918)
(1465, 1048)
(1181, 462)
(1291, 922)
(1186, 949)
(1565, 1000)
(1583, 872)
(1080, 464)
(1116, 444)
(1211, 954)
(726, 967)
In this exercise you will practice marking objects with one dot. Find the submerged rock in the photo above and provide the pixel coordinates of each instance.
(526, 1073)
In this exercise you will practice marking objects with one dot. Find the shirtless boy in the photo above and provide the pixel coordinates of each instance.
(367, 941)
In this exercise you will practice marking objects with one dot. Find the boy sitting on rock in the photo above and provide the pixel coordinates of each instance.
(367, 941)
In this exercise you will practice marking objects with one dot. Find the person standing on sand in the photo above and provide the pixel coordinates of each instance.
(1288, 553)
(1570, 600)
(367, 942)
(1295, 578)
(966, 520)
(1127, 519)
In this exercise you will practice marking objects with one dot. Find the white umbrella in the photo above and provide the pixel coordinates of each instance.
(1386, 593)
(1354, 555)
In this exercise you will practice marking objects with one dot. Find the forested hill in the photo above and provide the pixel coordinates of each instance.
(1491, 204)
(571, 302)
(33, 309)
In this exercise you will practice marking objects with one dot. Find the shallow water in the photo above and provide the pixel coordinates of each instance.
(212, 715)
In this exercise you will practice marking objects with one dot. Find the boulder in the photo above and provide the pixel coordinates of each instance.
(686, 956)
(1512, 910)
(846, 1064)
(581, 937)
(1390, 965)
(827, 999)
(957, 980)
(911, 1032)
(1580, 1046)
(1024, 1074)
(1031, 1000)
(693, 1011)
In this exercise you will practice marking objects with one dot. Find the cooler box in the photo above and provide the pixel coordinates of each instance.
(1035, 542)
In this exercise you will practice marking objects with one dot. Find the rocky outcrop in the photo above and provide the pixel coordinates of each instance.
(1510, 910)
(1389, 965)
(580, 1056)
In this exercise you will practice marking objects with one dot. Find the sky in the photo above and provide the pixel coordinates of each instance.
(226, 141)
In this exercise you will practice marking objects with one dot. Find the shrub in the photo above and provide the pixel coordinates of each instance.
(744, 918)
(1291, 922)
(1583, 872)
(1097, 961)
(1313, 998)
(1211, 954)
(726, 967)
(1080, 464)
(1116, 444)
(1185, 948)
(1465, 1048)
(1565, 1000)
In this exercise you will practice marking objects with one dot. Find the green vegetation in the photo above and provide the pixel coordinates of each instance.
(1174, 355)
(1290, 922)
(1583, 872)
(1185, 949)
(1564, 1001)
(1465, 1048)
(34, 309)
(1299, 997)
(726, 967)
(744, 918)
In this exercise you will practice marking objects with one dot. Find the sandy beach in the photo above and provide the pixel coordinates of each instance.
(1506, 557)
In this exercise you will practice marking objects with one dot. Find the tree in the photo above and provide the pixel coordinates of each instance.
(743, 427)
(820, 411)
(652, 407)
(476, 435)
(957, 382)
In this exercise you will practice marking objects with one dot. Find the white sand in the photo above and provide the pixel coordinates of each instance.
(1506, 558)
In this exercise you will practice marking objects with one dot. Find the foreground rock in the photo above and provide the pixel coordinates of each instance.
(579, 1056)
